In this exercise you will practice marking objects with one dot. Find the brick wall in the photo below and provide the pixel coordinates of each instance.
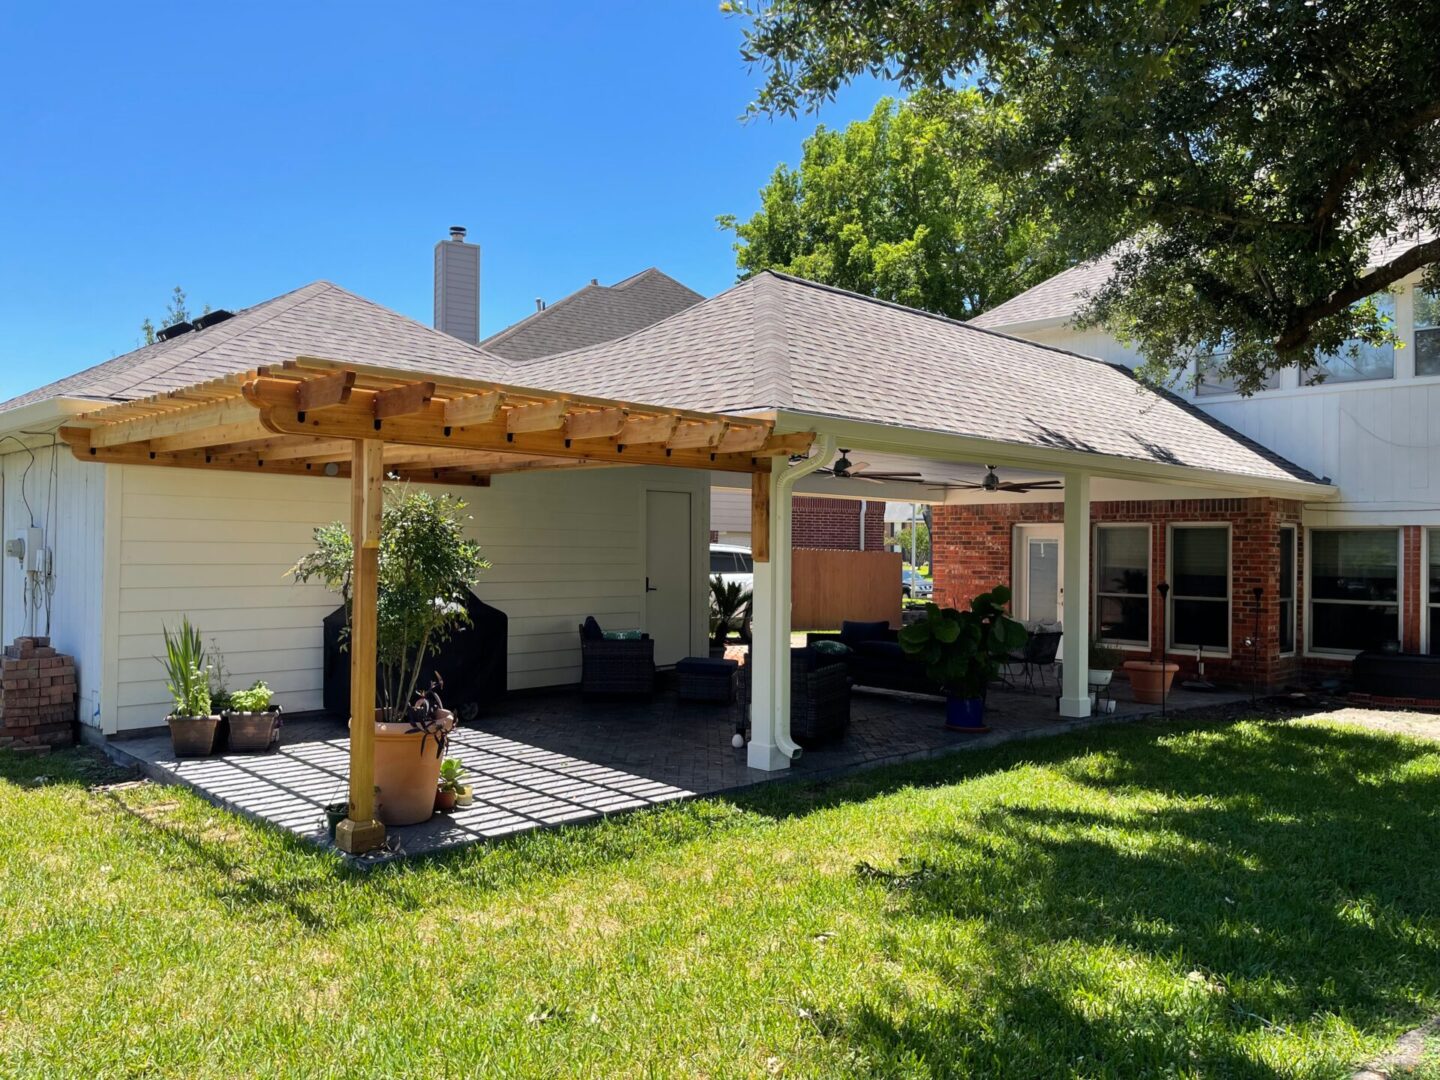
(973, 553)
(1412, 603)
(834, 524)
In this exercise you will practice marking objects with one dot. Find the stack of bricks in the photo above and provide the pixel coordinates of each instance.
(37, 696)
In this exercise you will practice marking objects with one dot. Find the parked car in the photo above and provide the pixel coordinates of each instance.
(914, 586)
(733, 563)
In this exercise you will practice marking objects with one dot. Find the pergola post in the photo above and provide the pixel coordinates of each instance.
(360, 832)
(769, 658)
(1075, 653)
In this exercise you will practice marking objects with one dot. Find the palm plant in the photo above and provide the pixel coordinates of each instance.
(185, 675)
(729, 608)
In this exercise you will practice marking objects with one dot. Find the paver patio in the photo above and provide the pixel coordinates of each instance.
(539, 760)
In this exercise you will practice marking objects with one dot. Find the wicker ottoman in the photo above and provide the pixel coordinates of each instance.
(702, 678)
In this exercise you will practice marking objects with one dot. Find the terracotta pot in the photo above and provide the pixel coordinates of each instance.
(444, 800)
(253, 731)
(193, 736)
(406, 776)
(1150, 680)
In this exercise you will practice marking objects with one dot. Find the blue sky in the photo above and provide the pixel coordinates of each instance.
(241, 151)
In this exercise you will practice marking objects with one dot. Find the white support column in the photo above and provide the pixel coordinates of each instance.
(771, 747)
(1075, 656)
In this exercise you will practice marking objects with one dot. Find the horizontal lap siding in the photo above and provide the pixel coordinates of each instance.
(216, 547)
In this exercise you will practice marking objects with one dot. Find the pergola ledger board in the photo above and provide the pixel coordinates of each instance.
(255, 422)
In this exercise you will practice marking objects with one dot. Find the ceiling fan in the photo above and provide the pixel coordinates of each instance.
(992, 482)
(845, 469)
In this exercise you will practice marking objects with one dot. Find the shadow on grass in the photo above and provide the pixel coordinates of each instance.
(1173, 903)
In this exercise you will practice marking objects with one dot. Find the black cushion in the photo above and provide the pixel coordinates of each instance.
(853, 633)
(590, 629)
(706, 665)
(889, 650)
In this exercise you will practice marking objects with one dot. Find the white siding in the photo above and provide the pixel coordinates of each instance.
(563, 545)
(67, 499)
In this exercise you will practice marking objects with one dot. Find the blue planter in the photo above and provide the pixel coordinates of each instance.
(965, 714)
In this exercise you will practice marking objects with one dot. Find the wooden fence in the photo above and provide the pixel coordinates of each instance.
(828, 587)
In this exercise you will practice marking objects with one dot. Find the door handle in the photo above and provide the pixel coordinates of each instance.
(649, 587)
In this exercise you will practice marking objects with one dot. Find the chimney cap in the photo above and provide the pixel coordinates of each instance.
(457, 233)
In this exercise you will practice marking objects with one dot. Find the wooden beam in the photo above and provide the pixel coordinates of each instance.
(760, 517)
(78, 440)
(473, 408)
(704, 434)
(190, 418)
(360, 831)
(641, 430)
(402, 400)
(548, 416)
(325, 390)
(246, 430)
(597, 424)
(743, 438)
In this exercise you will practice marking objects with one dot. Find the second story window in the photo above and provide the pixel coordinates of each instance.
(1427, 332)
(1210, 381)
(1357, 361)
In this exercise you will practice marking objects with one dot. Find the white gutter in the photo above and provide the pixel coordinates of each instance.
(780, 577)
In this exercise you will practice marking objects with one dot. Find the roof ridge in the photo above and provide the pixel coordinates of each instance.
(772, 344)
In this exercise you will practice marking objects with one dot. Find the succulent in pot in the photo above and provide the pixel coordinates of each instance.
(254, 722)
(962, 651)
(452, 784)
(192, 722)
(426, 569)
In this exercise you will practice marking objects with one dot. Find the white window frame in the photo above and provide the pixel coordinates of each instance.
(1095, 594)
(1350, 654)
(1171, 645)
(1294, 531)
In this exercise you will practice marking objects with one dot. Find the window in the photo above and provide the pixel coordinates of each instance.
(1122, 584)
(1427, 333)
(1358, 362)
(1200, 586)
(1287, 590)
(1209, 381)
(1354, 589)
(1433, 600)
(722, 562)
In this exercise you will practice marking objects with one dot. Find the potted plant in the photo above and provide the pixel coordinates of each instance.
(729, 607)
(1150, 679)
(452, 777)
(254, 723)
(1104, 659)
(426, 568)
(192, 723)
(962, 651)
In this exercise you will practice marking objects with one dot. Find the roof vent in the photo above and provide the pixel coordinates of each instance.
(539, 304)
(174, 330)
(210, 318)
(457, 232)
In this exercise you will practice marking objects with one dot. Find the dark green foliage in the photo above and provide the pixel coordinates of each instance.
(963, 650)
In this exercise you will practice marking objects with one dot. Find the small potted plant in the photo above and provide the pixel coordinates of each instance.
(452, 777)
(192, 722)
(962, 651)
(1104, 659)
(335, 813)
(254, 722)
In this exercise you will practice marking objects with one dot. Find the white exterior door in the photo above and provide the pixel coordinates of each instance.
(669, 580)
(1039, 573)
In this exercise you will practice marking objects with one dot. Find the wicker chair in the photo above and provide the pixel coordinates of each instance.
(819, 698)
(612, 667)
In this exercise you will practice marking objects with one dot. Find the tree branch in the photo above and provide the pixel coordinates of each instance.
(1297, 327)
(1346, 174)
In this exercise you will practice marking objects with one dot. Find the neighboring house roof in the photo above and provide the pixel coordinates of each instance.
(780, 342)
(595, 314)
(1058, 298)
(319, 319)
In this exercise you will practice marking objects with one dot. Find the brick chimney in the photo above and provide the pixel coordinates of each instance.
(457, 287)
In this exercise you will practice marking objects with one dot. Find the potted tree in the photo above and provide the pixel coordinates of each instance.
(192, 723)
(426, 569)
(962, 651)
(254, 723)
(729, 604)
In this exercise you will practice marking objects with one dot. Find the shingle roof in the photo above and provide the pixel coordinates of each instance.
(778, 342)
(595, 314)
(1061, 296)
(319, 319)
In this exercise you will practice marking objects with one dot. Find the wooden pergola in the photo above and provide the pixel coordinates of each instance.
(316, 417)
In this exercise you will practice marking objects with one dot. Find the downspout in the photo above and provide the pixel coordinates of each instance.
(780, 560)
(862, 524)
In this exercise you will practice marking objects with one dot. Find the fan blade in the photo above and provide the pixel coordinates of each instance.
(1034, 485)
(892, 475)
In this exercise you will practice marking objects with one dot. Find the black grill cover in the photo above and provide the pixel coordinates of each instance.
(472, 663)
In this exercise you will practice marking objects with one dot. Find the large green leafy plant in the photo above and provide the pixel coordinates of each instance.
(185, 675)
(426, 569)
(963, 650)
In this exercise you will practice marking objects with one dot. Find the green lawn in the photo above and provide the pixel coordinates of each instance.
(1240, 900)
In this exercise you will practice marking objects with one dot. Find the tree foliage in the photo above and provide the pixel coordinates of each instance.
(177, 310)
(1245, 162)
(895, 206)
